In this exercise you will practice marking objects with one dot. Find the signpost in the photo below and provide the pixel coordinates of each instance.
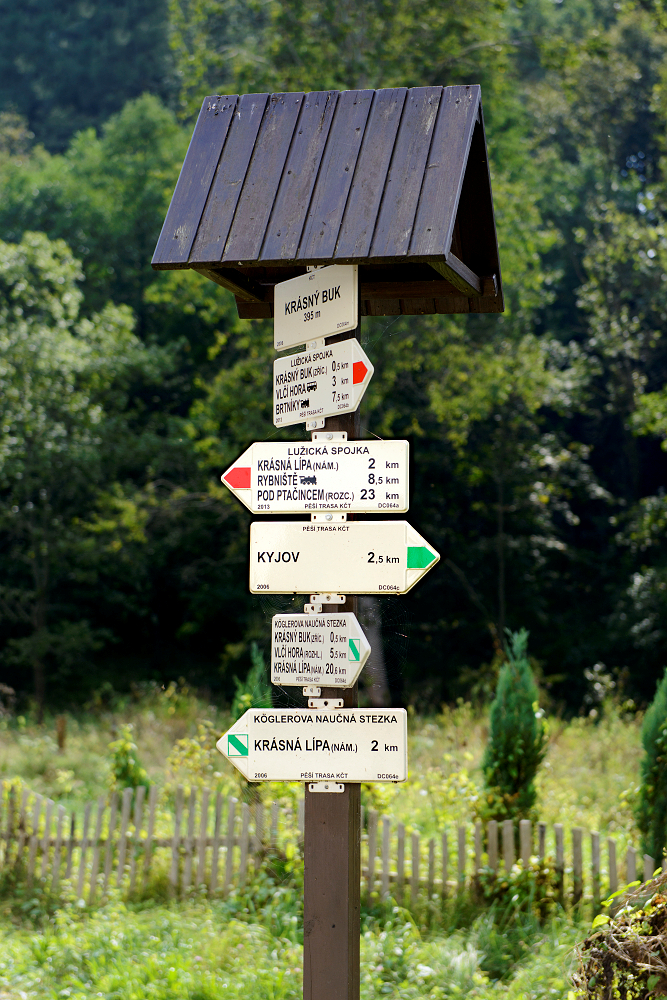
(318, 649)
(309, 744)
(273, 185)
(337, 557)
(320, 303)
(290, 477)
(321, 382)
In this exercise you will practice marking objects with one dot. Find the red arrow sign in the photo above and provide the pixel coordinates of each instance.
(359, 372)
(238, 478)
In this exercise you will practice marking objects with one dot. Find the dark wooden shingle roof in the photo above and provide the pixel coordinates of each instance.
(396, 181)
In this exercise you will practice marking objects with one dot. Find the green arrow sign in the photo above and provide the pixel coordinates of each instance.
(419, 557)
(354, 650)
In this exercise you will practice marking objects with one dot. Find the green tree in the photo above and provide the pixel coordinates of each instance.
(69, 66)
(517, 738)
(652, 803)
(63, 403)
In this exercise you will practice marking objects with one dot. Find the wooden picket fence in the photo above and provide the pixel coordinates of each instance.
(208, 843)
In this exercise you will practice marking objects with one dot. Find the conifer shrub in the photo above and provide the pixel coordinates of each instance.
(652, 801)
(517, 738)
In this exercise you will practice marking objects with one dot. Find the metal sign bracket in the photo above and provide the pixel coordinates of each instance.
(325, 786)
(329, 517)
(325, 703)
(329, 436)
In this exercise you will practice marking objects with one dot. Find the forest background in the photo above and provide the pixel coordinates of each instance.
(538, 437)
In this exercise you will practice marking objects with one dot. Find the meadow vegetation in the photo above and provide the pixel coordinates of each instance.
(477, 946)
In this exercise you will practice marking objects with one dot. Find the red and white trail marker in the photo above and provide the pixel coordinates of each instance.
(323, 381)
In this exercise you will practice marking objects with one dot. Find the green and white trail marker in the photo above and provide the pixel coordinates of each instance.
(350, 557)
(312, 744)
(327, 650)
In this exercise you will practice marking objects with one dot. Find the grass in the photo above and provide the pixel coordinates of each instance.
(199, 950)
(589, 778)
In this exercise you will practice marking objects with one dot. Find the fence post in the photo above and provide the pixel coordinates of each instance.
(122, 840)
(649, 867)
(372, 851)
(22, 824)
(631, 865)
(215, 851)
(34, 838)
(577, 865)
(560, 862)
(101, 806)
(492, 844)
(445, 863)
(83, 851)
(55, 879)
(525, 841)
(414, 879)
(186, 880)
(245, 836)
(386, 860)
(229, 854)
(138, 819)
(461, 856)
(175, 841)
(400, 863)
(108, 853)
(259, 834)
(70, 845)
(508, 844)
(613, 872)
(541, 840)
(478, 847)
(595, 869)
(431, 869)
(148, 843)
(46, 840)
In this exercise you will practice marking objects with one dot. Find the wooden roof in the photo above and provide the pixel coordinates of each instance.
(396, 181)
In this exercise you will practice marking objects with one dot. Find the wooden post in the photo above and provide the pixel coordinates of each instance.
(386, 861)
(445, 863)
(613, 870)
(332, 875)
(461, 861)
(414, 874)
(560, 862)
(541, 840)
(215, 850)
(478, 847)
(332, 843)
(400, 862)
(631, 865)
(595, 869)
(525, 841)
(492, 844)
(649, 867)
(577, 865)
(508, 844)
(372, 851)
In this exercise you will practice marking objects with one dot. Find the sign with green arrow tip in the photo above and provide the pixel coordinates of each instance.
(341, 557)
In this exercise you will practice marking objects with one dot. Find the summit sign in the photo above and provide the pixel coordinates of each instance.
(318, 304)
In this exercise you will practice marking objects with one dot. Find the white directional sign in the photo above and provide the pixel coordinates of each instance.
(352, 557)
(310, 744)
(321, 382)
(297, 477)
(317, 304)
(326, 649)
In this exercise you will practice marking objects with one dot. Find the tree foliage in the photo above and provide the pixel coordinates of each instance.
(652, 803)
(517, 738)
(538, 436)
